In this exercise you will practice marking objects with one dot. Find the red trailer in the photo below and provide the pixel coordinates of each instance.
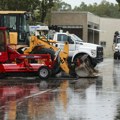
(14, 63)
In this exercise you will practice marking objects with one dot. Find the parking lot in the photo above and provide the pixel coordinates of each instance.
(83, 99)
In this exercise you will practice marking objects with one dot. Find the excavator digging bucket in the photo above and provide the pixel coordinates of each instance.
(84, 68)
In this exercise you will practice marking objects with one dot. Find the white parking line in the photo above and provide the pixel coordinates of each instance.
(39, 93)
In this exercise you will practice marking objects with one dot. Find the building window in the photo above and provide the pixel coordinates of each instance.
(103, 43)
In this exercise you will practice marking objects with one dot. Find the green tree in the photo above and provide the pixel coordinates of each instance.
(27, 5)
(82, 7)
(64, 6)
(40, 9)
(58, 5)
(104, 9)
(44, 7)
(118, 1)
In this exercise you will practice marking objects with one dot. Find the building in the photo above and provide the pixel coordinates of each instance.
(89, 27)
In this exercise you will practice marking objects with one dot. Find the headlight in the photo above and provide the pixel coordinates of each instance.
(116, 49)
(93, 52)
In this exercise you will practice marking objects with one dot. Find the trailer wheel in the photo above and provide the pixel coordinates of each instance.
(44, 72)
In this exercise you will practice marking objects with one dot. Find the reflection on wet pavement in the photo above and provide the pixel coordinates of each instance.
(83, 99)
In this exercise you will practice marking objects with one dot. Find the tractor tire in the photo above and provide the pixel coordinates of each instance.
(20, 50)
(44, 51)
(56, 69)
(44, 72)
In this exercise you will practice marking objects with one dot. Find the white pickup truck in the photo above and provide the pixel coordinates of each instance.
(77, 48)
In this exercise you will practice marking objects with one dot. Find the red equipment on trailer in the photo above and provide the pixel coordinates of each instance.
(14, 63)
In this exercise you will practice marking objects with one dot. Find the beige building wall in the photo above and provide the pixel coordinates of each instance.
(94, 29)
(68, 18)
(108, 26)
(93, 18)
(71, 19)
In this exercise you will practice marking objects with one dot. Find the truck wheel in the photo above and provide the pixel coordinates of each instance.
(118, 57)
(75, 61)
(77, 58)
(44, 72)
(115, 56)
(94, 64)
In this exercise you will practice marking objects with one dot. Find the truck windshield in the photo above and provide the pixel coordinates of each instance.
(76, 38)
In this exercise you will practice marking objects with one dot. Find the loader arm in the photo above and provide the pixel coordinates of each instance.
(63, 58)
(35, 42)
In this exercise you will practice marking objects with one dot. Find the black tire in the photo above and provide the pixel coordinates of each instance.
(20, 50)
(44, 72)
(88, 60)
(44, 51)
(72, 69)
(115, 56)
(56, 69)
(118, 57)
(93, 64)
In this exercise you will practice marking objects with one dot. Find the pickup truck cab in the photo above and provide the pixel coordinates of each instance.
(77, 48)
(116, 45)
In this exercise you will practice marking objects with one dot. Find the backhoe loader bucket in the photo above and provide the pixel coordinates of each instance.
(61, 59)
(84, 68)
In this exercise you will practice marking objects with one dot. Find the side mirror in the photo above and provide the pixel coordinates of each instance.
(70, 41)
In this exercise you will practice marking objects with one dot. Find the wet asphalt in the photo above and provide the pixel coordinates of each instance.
(65, 99)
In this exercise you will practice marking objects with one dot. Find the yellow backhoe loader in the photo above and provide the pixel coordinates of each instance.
(44, 46)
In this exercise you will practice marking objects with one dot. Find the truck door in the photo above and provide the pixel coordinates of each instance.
(62, 38)
(3, 48)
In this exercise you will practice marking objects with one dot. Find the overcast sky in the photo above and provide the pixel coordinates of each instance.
(78, 2)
